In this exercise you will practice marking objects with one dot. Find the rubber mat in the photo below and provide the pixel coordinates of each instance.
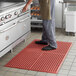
(33, 58)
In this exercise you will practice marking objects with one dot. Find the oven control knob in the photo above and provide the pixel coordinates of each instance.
(7, 17)
(2, 18)
(16, 13)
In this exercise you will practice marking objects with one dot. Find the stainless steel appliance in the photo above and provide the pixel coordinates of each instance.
(11, 0)
(14, 25)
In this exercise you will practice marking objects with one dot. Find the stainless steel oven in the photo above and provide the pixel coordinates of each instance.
(13, 31)
(14, 27)
(11, 0)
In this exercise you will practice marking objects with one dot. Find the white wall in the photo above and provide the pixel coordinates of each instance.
(58, 13)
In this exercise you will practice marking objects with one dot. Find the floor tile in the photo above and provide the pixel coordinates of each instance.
(41, 74)
(31, 72)
(74, 65)
(4, 68)
(49, 74)
(19, 74)
(2, 73)
(22, 71)
(72, 73)
(67, 63)
(66, 67)
(9, 74)
(13, 70)
(63, 72)
(69, 59)
(75, 59)
(28, 75)
(61, 75)
(73, 68)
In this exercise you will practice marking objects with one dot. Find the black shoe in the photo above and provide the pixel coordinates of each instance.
(46, 48)
(41, 42)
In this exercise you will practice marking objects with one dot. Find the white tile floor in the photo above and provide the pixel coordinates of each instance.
(68, 67)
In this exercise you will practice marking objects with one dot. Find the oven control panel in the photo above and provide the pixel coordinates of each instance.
(12, 15)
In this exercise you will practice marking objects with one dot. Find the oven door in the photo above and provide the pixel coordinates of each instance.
(24, 21)
(16, 29)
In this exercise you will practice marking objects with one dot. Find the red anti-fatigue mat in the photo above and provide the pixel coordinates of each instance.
(33, 58)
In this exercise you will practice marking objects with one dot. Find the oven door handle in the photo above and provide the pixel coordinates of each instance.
(24, 19)
(13, 25)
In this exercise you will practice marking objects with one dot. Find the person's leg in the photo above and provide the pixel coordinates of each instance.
(50, 33)
(44, 38)
(49, 26)
(52, 40)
